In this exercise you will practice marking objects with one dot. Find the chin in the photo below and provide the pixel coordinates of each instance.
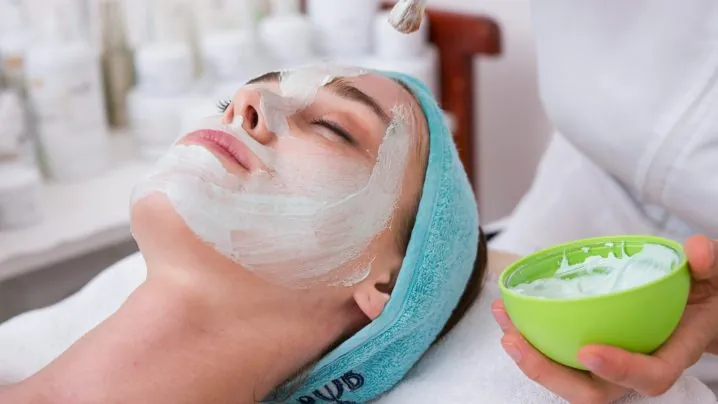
(155, 223)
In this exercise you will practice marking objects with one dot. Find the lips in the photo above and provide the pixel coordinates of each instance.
(226, 146)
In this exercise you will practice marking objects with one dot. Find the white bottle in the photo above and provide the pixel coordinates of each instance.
(12, 123)
(195, 109)
(20, 195)
(65, 89)
(392, 44)
(13, 43)
(342, 28)
(164, 68)
(154, 122)
(229, 55)
(225, 15)
(20, 182)
(117, 66)
(164, 63)
(165, 74)
(287, 34)
(14, 133)
(424, 67)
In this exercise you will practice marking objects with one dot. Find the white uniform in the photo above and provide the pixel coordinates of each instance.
(632, 87)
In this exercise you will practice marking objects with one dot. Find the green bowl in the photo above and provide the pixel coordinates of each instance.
(638, 320)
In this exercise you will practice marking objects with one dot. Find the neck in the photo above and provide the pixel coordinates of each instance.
(210, 334)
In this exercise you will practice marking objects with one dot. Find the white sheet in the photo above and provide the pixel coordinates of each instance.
(32, 340)
(469, 366)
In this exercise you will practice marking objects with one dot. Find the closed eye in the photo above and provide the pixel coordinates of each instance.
(336, 129)
(222, 105)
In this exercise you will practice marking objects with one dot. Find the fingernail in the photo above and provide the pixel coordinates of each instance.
(593, 362)
(502, 319)
(513, 351)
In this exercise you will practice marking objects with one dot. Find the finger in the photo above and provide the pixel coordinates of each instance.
(701, 254)
(572, 385)
(653, 375)
(500, 316)
(650, 376)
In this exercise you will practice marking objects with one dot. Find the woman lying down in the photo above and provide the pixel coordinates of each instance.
(306, 246)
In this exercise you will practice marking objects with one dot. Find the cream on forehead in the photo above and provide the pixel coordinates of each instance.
(297, 89)
(303, 83)
(294, 233)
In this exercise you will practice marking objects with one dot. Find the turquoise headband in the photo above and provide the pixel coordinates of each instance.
(437, 266)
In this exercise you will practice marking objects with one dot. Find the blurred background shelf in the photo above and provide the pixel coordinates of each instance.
(479, 56)
(79, 218)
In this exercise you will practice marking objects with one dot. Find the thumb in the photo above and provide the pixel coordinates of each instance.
(701, 254)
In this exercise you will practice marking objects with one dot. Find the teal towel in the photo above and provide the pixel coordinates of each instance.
(438, 264)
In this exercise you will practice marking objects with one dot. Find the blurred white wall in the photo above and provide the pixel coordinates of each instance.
(513, 128)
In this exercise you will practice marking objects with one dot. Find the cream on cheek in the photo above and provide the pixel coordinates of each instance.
(311, 216)
(312, 167)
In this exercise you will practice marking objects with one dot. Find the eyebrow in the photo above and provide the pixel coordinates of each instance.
(340, 87)
(344, 89)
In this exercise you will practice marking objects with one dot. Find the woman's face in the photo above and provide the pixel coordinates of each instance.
(298, 181)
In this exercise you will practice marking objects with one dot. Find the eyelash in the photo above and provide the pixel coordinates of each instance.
(222, 105)
(338, 130)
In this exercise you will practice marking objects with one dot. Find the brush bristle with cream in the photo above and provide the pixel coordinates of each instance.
(406, 16)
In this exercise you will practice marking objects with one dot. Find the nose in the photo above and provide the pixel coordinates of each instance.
(246, 105)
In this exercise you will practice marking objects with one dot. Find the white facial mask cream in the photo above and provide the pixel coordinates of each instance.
(598, 275)
(305, 219)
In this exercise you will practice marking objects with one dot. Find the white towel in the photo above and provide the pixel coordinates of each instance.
(32, 340)
(469, 366)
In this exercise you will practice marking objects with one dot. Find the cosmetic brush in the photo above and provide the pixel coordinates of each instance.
(406, 16)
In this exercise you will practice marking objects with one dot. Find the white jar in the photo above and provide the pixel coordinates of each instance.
(342, 27)
(424, 67)
(20, 196)
(287, 34)
(13, 44)
(194, 109)
(66, 97)
(154, 122)
(12, 60)
(225, 91)
(15, 138)
(392, 44)
(165, 68)
(12, 123)
(229, 55)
